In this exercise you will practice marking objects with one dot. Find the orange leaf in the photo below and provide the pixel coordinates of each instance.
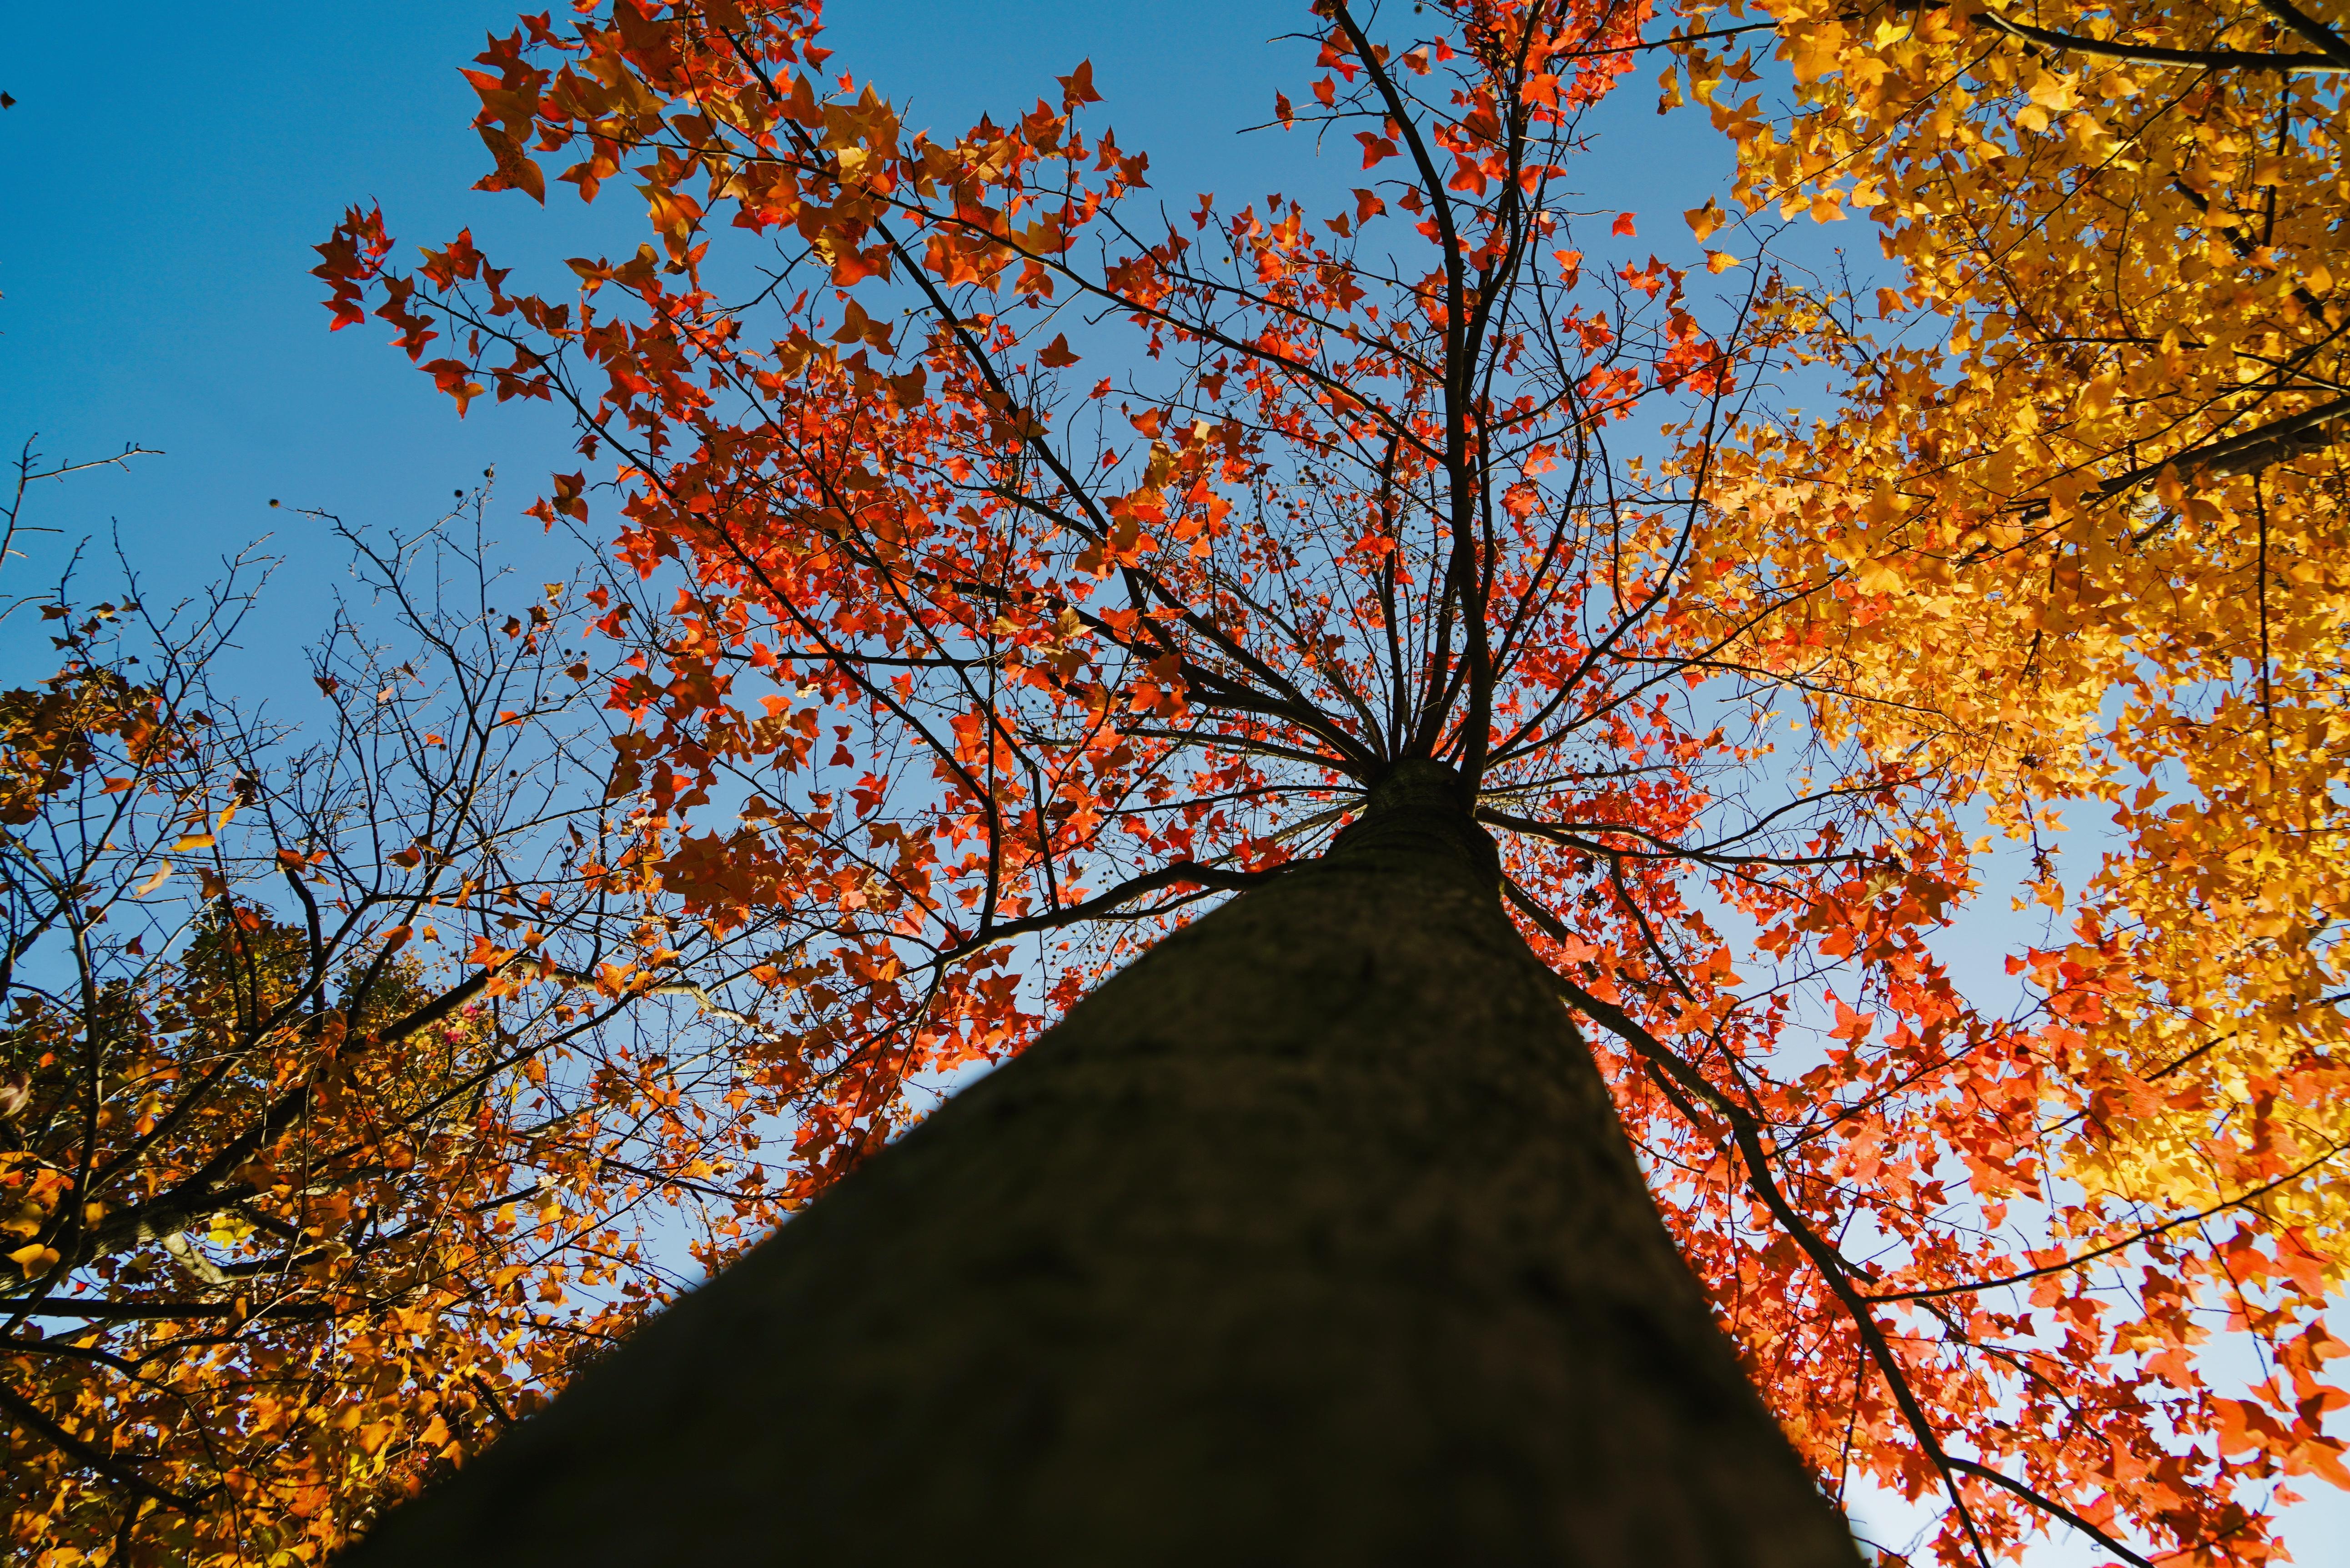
(1077, 87)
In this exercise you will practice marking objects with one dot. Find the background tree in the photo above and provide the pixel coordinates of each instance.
(998, 659)
(331, 1133)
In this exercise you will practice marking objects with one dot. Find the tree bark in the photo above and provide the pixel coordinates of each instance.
(1310, 1238)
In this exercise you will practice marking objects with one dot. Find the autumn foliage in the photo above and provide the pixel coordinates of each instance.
(2089, 523)
(1046, 562)
(329, 1137)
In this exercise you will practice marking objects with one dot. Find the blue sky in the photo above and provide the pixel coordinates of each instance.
(166, 169)
(161, 210)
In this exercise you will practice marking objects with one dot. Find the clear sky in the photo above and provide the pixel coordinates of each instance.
(166, 169)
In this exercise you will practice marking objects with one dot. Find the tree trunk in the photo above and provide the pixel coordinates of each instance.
(1310, 1238)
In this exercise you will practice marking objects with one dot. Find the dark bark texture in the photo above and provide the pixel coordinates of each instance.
(1311, 1238)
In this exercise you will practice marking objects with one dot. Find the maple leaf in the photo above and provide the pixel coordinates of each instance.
(1077, 87)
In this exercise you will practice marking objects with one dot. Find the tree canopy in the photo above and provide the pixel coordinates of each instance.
(329, 1132)
(1050, 559)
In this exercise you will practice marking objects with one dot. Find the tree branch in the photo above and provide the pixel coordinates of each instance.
(96, 1458)
(2149, 55)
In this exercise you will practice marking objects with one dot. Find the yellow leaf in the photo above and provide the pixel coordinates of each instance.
(2054, 92)
(1878, 576)
(192, 841)
(149, 886)
(35, 1260)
